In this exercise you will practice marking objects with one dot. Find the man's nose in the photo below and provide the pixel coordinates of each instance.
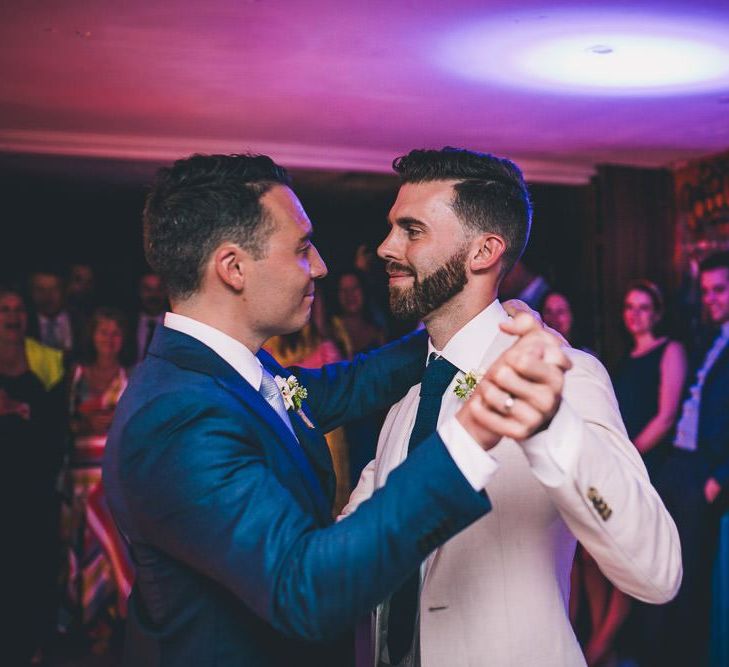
(318, 267)
(387, 249)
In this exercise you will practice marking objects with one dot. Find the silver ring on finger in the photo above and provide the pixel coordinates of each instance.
(508, 403)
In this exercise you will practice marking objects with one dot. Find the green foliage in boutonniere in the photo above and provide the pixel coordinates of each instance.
(465, 384)
(293, 393)
(293, 396)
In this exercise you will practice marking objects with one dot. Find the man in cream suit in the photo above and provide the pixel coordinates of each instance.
(497, 593)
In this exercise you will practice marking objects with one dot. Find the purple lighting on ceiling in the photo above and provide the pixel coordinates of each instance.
(593, 52)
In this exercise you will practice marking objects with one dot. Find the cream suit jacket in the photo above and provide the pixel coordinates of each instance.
(497, 593)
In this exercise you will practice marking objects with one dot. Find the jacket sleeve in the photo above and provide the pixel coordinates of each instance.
(206, 495)
(597, 480)
(338, 393)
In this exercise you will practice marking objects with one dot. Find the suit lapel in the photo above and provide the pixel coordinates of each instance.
(187, 352)
(310, 440)
(250, 396)
(501, 342)
(315, 446)
(718, 365)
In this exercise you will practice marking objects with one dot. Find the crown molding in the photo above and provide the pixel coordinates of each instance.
(295, 156)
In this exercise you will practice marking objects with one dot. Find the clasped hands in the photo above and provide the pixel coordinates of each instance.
(520, 393)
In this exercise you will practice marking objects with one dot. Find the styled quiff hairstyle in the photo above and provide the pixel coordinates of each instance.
(201, 202)
(490, 196)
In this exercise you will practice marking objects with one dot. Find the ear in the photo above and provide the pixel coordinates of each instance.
(229, 264)
(487, 252)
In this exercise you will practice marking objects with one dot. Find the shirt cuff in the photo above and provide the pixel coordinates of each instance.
(476, 465)
(552, 453)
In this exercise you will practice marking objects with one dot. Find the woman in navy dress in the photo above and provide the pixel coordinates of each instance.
(649, 380)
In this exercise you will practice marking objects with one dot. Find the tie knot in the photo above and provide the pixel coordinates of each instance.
(438, 375)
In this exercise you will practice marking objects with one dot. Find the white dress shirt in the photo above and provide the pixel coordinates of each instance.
(231, 350)
(56, 331)
(687, 429)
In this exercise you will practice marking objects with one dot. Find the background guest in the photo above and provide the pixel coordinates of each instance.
(98, 578)
(310, 347)
(650, 378)
(32, 433)
(648, 383)
(152, 305)
(351, 313)
(357, 332)
(693, 482)
(51, 323)
(81, 291)
(558, 314)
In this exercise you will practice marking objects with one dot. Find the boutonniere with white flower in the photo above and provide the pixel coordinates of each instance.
(466, 383)
(293, 396)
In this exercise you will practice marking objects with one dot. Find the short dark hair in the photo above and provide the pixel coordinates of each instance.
(199, 203)
(491, 195)
(719, 260)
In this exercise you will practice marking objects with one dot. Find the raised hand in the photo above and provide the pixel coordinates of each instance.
(521, 392)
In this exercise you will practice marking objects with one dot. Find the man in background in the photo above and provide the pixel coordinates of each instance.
(694, 482)
(152, 305)
(51, 322)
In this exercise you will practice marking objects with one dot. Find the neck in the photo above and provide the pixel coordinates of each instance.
(644, 341)
(445, 322)
(214, 313)
(106, 361)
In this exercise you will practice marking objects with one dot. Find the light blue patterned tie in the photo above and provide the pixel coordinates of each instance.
(270, 391)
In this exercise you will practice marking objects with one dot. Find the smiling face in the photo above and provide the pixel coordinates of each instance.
(279, 287)
(13, 318)
(715, 294)
(639, 313)
(107, 338)
(426, 250)
(558, 314)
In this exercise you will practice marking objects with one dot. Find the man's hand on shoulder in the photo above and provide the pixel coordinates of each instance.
(522, 390)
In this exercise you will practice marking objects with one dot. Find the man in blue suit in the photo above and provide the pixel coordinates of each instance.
(693, 483)
(223, 493)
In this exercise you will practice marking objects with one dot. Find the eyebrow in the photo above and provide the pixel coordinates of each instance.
(406, 221)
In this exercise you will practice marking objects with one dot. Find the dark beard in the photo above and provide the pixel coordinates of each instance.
(432, 291)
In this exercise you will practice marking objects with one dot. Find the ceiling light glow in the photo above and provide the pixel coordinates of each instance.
(594, 53)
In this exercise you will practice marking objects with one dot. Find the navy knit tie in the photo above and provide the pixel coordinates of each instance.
(404, 601)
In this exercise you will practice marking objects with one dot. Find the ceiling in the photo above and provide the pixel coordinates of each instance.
(325, 84)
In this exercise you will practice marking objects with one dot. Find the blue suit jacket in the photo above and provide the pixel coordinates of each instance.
(713, 435)
(237, 559)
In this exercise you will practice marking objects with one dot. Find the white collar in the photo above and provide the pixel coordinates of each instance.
(466, 348)
(231, 350)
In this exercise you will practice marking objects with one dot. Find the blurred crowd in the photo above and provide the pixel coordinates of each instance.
(66, 355)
